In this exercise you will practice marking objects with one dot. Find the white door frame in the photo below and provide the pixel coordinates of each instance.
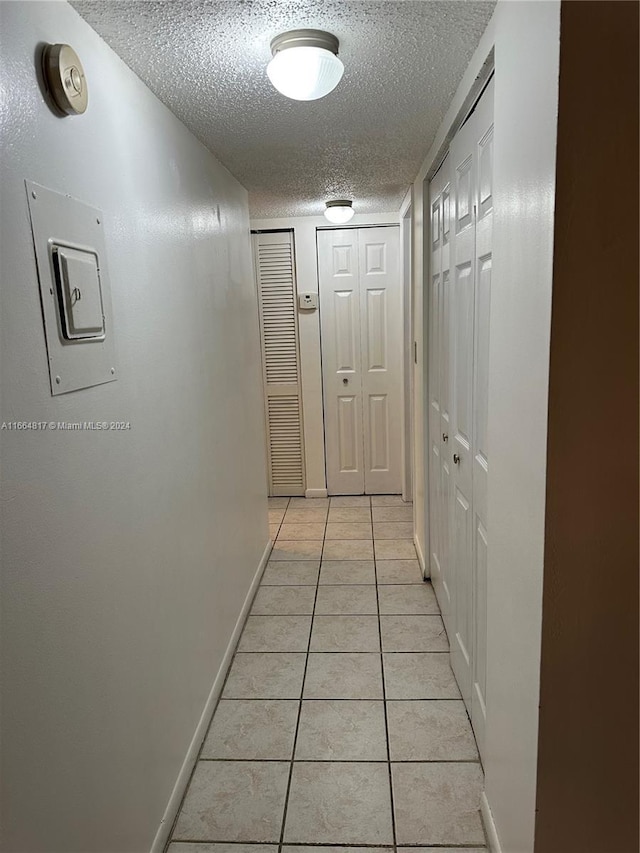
(406, 271)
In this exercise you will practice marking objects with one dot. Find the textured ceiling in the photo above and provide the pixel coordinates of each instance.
(206, 59)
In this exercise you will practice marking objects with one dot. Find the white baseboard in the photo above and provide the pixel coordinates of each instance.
(166, 824)
(423, 567)
(315, 493)
(489, 825)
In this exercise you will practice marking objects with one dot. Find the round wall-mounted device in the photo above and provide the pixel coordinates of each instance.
(65, 78)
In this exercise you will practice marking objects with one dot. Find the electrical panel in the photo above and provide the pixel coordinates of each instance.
(68, 237)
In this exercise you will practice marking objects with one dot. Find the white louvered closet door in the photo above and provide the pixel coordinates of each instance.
(275, 272)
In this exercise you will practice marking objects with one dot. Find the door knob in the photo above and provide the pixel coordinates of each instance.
(345, 381)
(456, 459)
(445, 437)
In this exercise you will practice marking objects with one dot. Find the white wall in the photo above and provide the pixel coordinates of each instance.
(304, 230)
(526, 40)
(126, 556)
(526, 106)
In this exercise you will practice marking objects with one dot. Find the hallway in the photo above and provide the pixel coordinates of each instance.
(253, 249)
(340, 722)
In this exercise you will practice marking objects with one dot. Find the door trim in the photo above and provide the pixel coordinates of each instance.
(406, 273)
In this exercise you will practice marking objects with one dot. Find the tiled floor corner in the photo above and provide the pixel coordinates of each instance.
(340, 726)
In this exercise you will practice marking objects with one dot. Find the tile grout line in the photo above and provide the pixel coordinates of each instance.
(408, 583)
(304, 678)
(285, 699)
(341, 760)
(337, 698)
(384, 696)
(309, 613)
(280, 523)
(314, 844)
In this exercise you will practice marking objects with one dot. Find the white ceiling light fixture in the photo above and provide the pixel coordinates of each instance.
(305, 64)
(339, 212)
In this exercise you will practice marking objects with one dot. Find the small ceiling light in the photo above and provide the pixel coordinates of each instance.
(339, 212)
(305, 64)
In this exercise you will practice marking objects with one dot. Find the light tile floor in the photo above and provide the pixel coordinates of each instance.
(340, 722)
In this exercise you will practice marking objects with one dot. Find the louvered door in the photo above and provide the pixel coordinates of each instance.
(275, 272)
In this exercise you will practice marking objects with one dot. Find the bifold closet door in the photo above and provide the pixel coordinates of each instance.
(338, 269)
(471, 168)
(483, 259)
(461, 212)
(439, 389)
(361, 328)
(275, 275)
(463, 167)
(381, 348)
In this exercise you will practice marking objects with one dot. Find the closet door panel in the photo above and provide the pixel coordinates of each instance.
(439, 391)
(483, 123)
(435, 413)
(338, 267)
(461, 211)
(381, 357)
(275, 277)
(445, 399)
(463, 167)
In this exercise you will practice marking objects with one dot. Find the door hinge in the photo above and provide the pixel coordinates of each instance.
(415, 352)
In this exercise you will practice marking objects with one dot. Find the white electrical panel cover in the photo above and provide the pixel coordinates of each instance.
(74, 288)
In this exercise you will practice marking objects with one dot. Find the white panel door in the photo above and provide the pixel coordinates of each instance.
(338, 269)
(439, 370)
(462, 313)
(381, 344)
(483, 134)
(461, 213)
(361, 329)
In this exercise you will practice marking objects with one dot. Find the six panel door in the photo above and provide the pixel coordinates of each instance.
(381, 346)
(462, 311)
(439, 380)
(483, 265)
(361, 329)
(338, 268)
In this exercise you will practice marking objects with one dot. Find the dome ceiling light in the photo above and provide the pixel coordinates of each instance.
(305, 64)
(339, 212)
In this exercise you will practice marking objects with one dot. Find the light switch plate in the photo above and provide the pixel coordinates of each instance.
(74, 289)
